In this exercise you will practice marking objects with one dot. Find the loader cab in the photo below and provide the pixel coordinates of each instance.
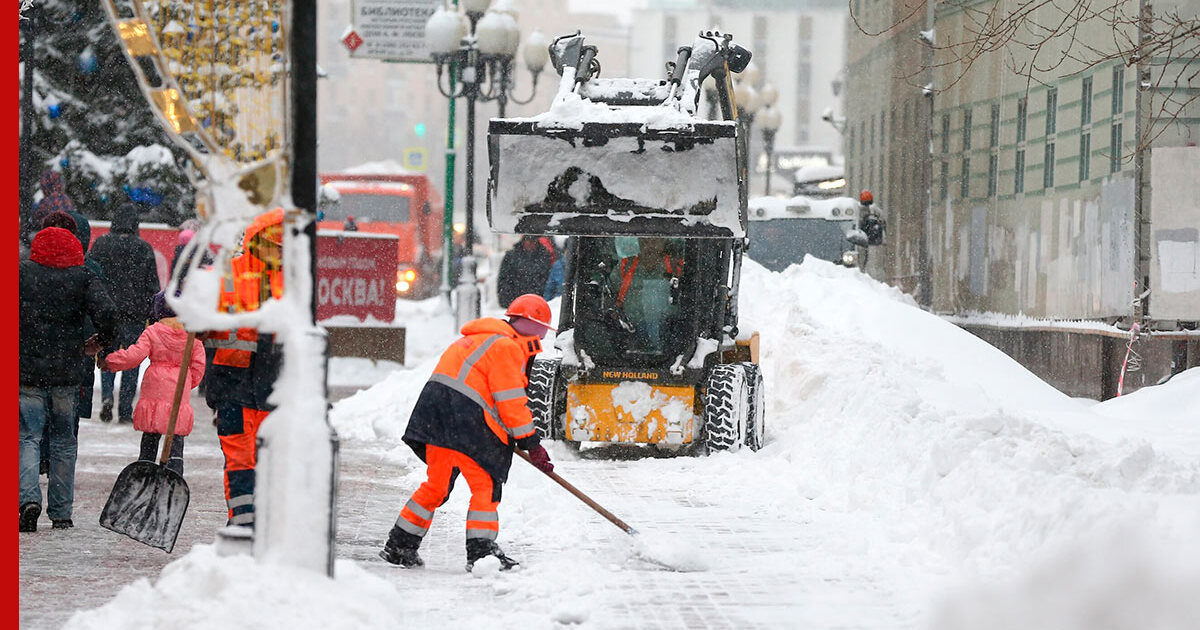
(634, 299)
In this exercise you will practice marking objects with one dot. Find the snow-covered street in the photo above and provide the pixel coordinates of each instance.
(913, 477)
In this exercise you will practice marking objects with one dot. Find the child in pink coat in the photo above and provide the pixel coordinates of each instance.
(163, 341)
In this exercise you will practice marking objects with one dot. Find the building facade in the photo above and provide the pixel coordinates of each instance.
(798, 47)
(1045, 199)
(886, 133)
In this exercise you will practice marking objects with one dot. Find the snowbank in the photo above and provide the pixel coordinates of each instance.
(203, 590)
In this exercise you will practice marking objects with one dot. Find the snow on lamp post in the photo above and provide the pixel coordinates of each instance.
(476, 55)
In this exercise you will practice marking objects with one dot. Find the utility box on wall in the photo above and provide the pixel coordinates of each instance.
(1175, 233)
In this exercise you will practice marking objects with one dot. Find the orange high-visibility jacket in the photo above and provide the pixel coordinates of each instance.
(474, 402)
(629, 267)
(243, 290)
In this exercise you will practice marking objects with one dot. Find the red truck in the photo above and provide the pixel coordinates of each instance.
(406, 205)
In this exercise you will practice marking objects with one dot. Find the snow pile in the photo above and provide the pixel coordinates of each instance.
(1167, 415)
(204, 590)
(380, 167)
(571, 111)
(876, 407)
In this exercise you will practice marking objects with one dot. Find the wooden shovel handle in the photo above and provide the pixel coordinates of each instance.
(178, 399)
(612, 518)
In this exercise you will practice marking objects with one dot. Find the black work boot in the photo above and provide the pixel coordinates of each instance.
(29, 517)
(479, 548)
(401, 548)
(106, 411)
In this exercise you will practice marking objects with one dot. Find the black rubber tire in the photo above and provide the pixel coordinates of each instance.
(542, 391)
(725, 396)
(755, 422)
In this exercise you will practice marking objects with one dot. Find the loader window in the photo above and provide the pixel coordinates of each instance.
(637, 297)
(370, 208)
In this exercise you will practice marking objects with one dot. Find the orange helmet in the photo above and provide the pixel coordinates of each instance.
(532, 307)
(866, 197)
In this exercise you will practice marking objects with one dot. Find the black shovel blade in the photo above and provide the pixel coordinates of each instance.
(147, 504)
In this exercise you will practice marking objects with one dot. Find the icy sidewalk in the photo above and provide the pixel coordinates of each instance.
(62, 571)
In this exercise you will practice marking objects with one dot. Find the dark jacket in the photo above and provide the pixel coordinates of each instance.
(57, 294)
(128, 265)
(475, 401)
(524, 269)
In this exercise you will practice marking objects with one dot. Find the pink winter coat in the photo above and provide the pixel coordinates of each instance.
(163, 342)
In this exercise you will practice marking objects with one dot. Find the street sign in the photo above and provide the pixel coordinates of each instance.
(392, 30)
(414, 159)
(352, 41)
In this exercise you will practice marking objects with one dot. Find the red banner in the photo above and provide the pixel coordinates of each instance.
(356, 275)
(356, 270)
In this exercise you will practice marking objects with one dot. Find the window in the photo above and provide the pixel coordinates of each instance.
(1115, 149)
(994, 133)
(945, 133)
(1022, 114)
(1085, 156)
(1051, 111)
(1085, 102)
(1019, 179)
(993, 162)
(966, 130)
(1048, 166)
(1118, 90)
(964, 189)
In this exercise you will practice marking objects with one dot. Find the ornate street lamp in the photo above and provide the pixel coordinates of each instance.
(769, 119)
(475, 49)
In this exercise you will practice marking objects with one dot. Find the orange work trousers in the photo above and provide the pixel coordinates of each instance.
(444, 466)
(237, 429)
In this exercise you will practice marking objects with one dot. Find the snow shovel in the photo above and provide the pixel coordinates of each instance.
(641, 552)
(148, 501)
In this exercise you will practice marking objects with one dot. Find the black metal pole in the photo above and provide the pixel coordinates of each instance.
(471, 95)
(28, 177)
(304, 185)
(304, 120)
(769, 147)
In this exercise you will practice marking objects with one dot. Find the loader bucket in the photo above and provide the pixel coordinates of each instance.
(617, 178)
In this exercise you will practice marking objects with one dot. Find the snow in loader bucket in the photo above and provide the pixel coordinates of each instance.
(608, 178)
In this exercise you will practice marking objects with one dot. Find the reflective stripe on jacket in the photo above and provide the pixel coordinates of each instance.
(475, 401)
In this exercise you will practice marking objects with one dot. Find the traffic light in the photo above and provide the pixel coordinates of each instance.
(419, 129)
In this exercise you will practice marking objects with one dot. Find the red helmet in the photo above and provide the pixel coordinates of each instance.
(866, 197)
(531, 307)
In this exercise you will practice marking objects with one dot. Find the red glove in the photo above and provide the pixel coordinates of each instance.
(541, 458)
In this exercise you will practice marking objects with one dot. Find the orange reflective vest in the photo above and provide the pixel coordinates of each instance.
(487, 365)
(243, 291)
(629, 267)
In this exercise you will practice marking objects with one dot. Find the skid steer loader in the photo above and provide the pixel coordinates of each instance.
(654, 200)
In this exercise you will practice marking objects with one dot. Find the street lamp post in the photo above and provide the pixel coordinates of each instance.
(769, 120)
(476, 48)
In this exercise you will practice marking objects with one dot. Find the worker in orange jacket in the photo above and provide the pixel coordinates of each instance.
(245, 363)
(467, 420)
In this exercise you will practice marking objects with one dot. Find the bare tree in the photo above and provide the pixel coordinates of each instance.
(1042, 39)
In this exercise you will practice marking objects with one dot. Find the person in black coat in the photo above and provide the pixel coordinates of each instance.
(131, 274)
(524, 269)
(57, 293)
